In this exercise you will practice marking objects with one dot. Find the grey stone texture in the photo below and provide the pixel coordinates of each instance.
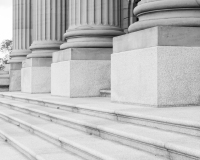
(158, 36)
(15, 80)
(80, 72)
(37, 62)
(156, 76)
(36, 80)
(15, 76)
(82, 123)
(77, 78)
(16, 66)
(82, 54)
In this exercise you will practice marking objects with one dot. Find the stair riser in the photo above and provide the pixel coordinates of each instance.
(135, 143)
(36, 102)
(192, 131)
(7, 97)
(20, 99)
(83, 111)
(21, 149)
(68, 147)
(179, 128)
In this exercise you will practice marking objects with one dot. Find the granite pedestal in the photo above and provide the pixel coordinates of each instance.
(80, 72)
(36, 75)
(151, 70)
(15, 76)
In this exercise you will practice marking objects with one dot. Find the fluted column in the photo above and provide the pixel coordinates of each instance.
(185, 13)
(49, 27)
(21, 30)
(93, 23)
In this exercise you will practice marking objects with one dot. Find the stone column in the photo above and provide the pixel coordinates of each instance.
(124, 15)
(21, 40)
(93, 23)
(87, 52)
(157, 64)
(49, 26)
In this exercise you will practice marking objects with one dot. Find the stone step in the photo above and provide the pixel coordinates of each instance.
(157, 142)
(184, 120)
(7, 152)
(82, 144)
(32, 146)
(105, 93)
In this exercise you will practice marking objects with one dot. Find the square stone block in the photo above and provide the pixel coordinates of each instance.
(157, 76)
(15, 80)
(80, 78)
(36, 80)
(158, 36)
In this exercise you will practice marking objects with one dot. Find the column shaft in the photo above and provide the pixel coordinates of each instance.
(93, 23)
(49, 27)
(21, 30)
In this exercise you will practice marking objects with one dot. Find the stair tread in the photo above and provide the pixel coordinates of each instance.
(7, 152)
(34, 145)
(92, 144)
(189, 116)
(165, 139)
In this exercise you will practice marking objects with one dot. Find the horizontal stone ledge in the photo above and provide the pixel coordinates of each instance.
(37, 62)
(82, 54)
(158, 36)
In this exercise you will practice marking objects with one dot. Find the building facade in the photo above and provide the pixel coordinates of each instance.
(64, 47)
(41, 28)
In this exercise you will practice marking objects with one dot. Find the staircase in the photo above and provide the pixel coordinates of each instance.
(45, 127)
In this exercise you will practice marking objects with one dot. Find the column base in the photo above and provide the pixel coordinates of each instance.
(157, 76)
(79, 73)
(36, 75)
